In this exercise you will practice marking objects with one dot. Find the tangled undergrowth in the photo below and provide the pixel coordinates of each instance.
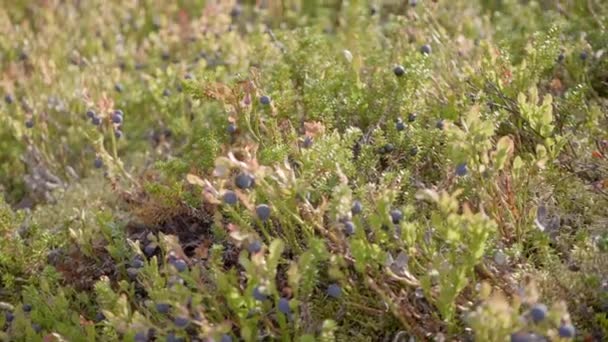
(304, 170)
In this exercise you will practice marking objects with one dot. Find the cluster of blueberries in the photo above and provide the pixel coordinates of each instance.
(538, 313)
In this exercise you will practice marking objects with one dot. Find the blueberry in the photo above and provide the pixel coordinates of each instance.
(99, 317)
(399, 71)
(414, 151)
(334, 290)
(150, 249)
(165, 55)
(91, 114)
(118, 134)
(244, 181)
(522, 337)
(37, 328)
(231, 128)
(8, 98)
(230, 197)
(141, 337)
(166, 93)
(440, 124)
(226, 338)
(96, 120)
(396, 216)
(235, 11)
(137, 262)
(263, 211)
(425, 49)
(180, 265)
(118, 87)
(561, 57)
(27, 308)
(29, 123)
(181, 322)
(9, 317)
(172, 338)
(116, 118)
(265, 100)
(118, 112)
(179, 88)
(307, 143)
(163, 308)
(461, 169)
(132, 273)
(98, 163)
(254, 247)
(412, 117)
(356, 208)
(189, 76)
(388, 148)
(413, 3)
(284, 306)
(349, 227)
(400, 126)
(538, 312)
(258, 295)
(566, 331)
(584, 55)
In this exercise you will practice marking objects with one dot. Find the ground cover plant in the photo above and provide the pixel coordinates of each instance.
(304, 170)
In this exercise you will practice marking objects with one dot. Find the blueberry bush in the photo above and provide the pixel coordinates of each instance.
(304, 170)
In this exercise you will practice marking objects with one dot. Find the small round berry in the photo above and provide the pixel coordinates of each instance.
(189, 76)
(165, 55)
(396, 216)
(357, 207)
(231, 128)
(440, 124)
(307, 142)
(412, 117)
(118, 87)
(226, 338)
(538, 312)
(26, 308)
(230, 197)
(96, 120)
(254, 247)
(132, 273)
(349, 227)
(172, 338)
(425, 49)
(400, 126)
(414, 151)
(566, 331)
(137, 262)
(244, 181)
(180, 265)
(141, 337)
(98, 163)
(561, 57)
(413, 3)
(99, 317)
(584, 55)
(265, 100)
(166, 93)
(163, 308)
(116, 118)
(399, 71)
(263, 212)
(521, 336)
(118, 134)
(37, 328)
(258, 294)
(150, 249)
(334, 291)
(9, 316)
(8, 98)
(91, 114)
(284, 306)
(461, 169)
(29, 123)
(388, 148)
(181, 322)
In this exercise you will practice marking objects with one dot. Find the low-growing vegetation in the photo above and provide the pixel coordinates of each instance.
(304, 170)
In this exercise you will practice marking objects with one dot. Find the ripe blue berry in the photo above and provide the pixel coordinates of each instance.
(566, 331)
(98, 163)
(584, 55)
(132, 273)
(141, 337)
(254, 247)
(27, 308)
(118, 87)
(172, 338)
(181, 322)
(9, 317)
(561, 57)
(118, 134)
(137, 262)
(425, 49)
(349, 227)
(414, 151)
(284, 306)
(388, 148)
(307, 142)
(244, 181)
(99, 317)
(226, 338)
(116, 118)
(396, 216)
(399, 71)
(440, 124)
(230, 197)
(91, 114)
(180, 265)
(37, 328)
(231, 128)
(258, 295)
(357, 208)
(538, 312)
(400, 126)
(461, 169)
(163, 308)
(412, 117)
(265, 100)
(96, 120)
(8, 98)
(189, 76)
(29, 123)
(413, 3)
(166, 93)
(150, 249)
(263, 212)
(334, 290)
(522, 337)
